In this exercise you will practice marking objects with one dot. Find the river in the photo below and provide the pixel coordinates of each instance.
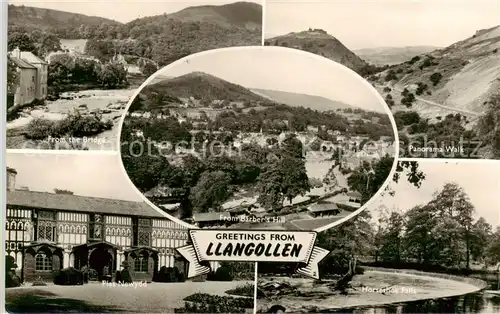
(481, 302)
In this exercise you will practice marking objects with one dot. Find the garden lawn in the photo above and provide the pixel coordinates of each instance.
(95, 297)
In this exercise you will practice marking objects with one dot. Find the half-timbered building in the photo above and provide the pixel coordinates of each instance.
(46, 232)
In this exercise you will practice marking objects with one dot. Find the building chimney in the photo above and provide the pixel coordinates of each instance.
(16, 53)
(11, 179)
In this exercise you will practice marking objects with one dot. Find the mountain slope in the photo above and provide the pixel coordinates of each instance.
(200, 85)
(464, 75)
(321, 43)
(392, 55)
(51, 20)
(302, 100)
(242, 14)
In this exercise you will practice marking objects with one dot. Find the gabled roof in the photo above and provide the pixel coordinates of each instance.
(354, 194)
(322, 207)
(79, 203)
(22, 64)
(204, 217)
(31, 58)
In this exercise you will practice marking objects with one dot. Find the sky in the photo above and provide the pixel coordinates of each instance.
(481, 181)
(120, 10)
(282, 69)
(384, 23)
(84, 174)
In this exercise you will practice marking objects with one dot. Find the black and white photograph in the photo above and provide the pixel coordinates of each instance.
(73, 66)
(435, 62)
(258, 138)
(93, 245)
(430, 244)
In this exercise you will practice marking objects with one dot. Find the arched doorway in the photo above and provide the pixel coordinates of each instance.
(101, 261)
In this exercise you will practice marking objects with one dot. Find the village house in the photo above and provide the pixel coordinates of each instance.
(46, 232)
(323, 209)
(212, 220)
(33, 73)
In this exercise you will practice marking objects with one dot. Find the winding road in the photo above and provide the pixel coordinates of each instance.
(435, 104)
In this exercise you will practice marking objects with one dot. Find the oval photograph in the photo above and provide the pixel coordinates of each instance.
(258, 138)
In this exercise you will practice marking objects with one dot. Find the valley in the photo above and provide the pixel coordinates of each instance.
(452, 92)
(277, 165)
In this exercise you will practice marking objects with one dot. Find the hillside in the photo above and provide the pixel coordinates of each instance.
(392, 55)
(54, 21)
(321, 43)
(302, 100)
(242, 14)
(200, 86)
(463, 76)
(461, 80)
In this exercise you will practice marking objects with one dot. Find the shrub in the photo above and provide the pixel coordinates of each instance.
(221, 274)
(421, 88)
(408, 100)
(75, 125)
(11, 279)
(436, 78)
(246, 290)
(387, 89)
(68, 276)
(40, 129)
(118, 276)
(390, 76)
(126, 276)
(414, 59)
(169, 274)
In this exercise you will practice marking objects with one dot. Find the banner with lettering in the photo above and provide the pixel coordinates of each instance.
(214, 245)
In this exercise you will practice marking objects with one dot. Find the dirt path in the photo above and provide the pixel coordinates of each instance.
(435, 104)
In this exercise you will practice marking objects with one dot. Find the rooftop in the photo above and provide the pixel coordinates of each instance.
(31, 58)
(78, 203)
(354, 194)
(22, 64)
(204, 217)
(322, 207)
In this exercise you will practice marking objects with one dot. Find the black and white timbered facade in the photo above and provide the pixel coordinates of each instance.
(50, 231)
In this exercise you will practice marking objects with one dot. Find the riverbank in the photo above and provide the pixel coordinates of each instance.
(109, 103)
(373, 288)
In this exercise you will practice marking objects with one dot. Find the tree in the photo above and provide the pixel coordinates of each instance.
(392, 246)
(480, 237)
(453, 205)
(46, 43)
(12, 76)
(420, 222)
(436, 78)
(211, 191)
(63, 191)
(346, 243)
(21, 40)
(295, 181)
(368, 178)
(143, 163)
(112, 75)
(270, 187)
(148, 68)
(493, 249)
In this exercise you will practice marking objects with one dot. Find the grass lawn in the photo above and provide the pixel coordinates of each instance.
(98, 298)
